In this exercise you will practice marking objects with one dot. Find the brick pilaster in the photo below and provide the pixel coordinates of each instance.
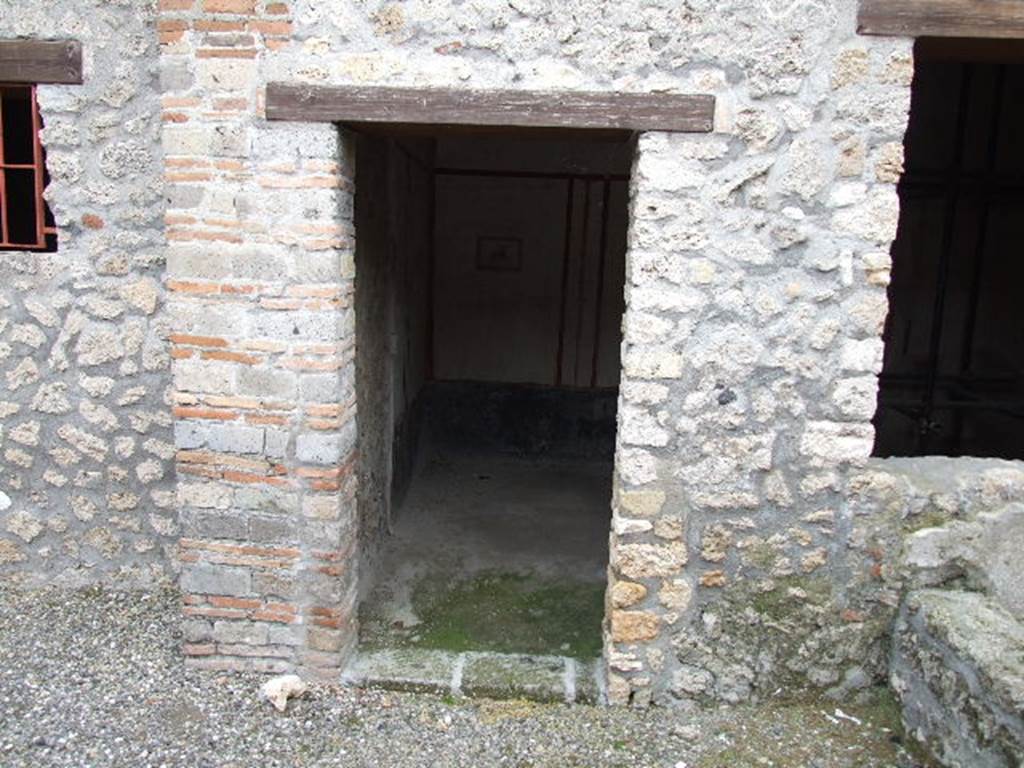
(260, 284)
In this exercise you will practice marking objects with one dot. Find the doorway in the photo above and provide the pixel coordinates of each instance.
(489, 296)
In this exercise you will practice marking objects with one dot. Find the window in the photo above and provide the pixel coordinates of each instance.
(953, 379)
(25, 220)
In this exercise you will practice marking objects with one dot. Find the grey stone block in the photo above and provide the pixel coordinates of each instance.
(541, 678)
(276, 443)
(272, 500)
(189, 435)
(272, 529)
(319, 448)
(244, 632)
(217, 525)
(289, 326)
(208, 579)
(321, 387)
(403, 669)
(286, 635)
(196, 630)
(266, 382)
(234, 439)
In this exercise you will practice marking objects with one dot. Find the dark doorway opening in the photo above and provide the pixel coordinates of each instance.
(953, 378)
(489, 295)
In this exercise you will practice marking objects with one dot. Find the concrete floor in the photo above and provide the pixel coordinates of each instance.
(493, 553)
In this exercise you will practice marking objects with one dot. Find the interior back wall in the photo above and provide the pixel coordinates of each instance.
(518, 298)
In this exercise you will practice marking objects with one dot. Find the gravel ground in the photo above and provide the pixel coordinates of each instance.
(93, 678)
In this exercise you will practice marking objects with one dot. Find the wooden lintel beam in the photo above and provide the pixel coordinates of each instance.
(355, 105)
(41, 61)
(942, 18)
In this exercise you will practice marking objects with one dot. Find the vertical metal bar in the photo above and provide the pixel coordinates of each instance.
(431, 274)
(986, 197)
(580, 283)
(603, 248)
(945, 257)
(4, 229)
(37, 173)
(981, 242)
(567, 249)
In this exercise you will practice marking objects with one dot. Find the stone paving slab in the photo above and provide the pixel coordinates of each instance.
(507, 676)
(490, 675)
(404, 669)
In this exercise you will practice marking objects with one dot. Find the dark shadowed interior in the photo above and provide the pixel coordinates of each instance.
(953, 378)
(489, 296)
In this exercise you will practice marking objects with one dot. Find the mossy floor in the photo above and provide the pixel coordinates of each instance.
(495, 554)
(500, 613)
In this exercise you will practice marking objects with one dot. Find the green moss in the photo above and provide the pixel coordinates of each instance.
(761, 555)
(778, 604)
(505, 613)
(929, 518)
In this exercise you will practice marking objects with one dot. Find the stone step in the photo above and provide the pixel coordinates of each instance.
(478, 674)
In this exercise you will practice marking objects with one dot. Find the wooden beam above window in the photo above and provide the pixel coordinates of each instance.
(360, 105)
(41, 61)
(942, 18)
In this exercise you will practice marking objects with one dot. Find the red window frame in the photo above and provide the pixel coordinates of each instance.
(38, 167)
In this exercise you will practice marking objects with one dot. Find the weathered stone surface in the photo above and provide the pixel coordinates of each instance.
(627, 593)
(958, 669)
(24, 526)
(278, 690)
(638, 561)
(634, 626)
(642, 503)
(756, 273)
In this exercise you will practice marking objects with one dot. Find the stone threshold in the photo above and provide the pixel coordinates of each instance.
(479, 674)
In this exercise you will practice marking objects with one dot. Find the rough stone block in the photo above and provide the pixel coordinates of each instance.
(958, 669)
(503, 675)
(634, 626)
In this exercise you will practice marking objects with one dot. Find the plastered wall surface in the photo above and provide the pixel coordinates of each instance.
(86, 458)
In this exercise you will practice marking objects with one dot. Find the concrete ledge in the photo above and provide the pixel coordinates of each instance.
(958, 669)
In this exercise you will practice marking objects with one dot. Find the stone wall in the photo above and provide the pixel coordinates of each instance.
(757, 266)
(86, 452)
(753, 546)
(392, 306)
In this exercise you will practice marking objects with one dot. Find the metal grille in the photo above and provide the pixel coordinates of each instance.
(25, 220)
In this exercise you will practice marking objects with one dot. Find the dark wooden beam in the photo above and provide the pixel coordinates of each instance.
(942, 18)
(41, 61)
(972, 50)
(360, 105)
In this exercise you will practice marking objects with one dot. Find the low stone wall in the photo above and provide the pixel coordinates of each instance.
(957, 661)
(958, 668)
(785, 624)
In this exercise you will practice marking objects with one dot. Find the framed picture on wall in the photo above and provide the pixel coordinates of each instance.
(499, 254)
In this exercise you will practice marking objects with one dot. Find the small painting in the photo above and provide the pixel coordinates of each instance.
(499, 254)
